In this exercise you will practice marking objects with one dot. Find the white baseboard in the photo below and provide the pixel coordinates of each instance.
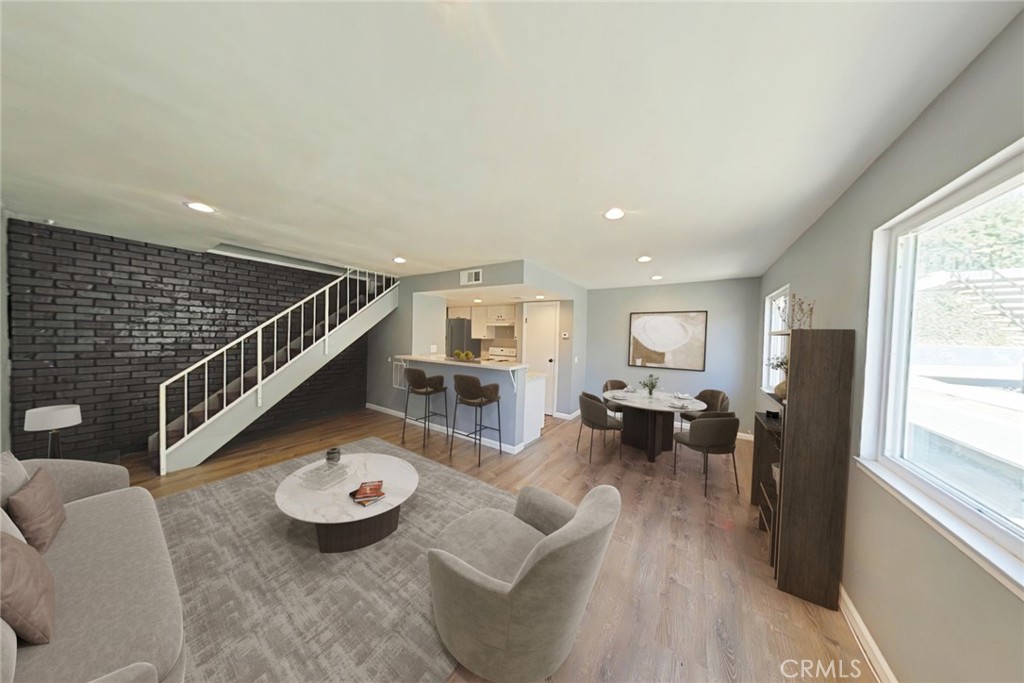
(567, 416)
(491, 443)
(879, 667)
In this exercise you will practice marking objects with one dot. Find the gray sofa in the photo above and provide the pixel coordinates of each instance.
(118, 613)
(509, 591)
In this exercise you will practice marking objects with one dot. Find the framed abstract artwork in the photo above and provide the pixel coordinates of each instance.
(676, 340)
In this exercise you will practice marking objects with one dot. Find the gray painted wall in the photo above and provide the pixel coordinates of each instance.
(934, 612)
(734, 337)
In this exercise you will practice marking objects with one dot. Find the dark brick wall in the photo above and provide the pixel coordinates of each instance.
(101, 322)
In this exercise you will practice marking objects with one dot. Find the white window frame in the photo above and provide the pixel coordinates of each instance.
(769, 377)
(978, 533)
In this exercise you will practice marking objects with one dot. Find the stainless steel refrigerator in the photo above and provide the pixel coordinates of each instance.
(460, 338)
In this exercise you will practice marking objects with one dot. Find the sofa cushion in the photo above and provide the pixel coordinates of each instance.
(8, 652)
(38, 510)
(491, 541)
(117, 599)
(26, 590)
(12, 476)
(8, 526)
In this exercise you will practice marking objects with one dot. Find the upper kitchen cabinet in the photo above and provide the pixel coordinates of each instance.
(459, 312)
(501, 315)
(479, 325)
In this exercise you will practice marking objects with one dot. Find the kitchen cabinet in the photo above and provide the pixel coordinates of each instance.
(479, 325)
(460, 312)
(501, 315)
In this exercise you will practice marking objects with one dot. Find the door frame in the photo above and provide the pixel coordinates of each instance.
(557, 336)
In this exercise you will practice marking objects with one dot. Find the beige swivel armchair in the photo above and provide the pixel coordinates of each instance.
(717, 401)
(509, 590)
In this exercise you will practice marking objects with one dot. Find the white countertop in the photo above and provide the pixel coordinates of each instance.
(484, 364)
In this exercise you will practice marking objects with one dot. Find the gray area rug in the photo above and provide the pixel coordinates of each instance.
(262, 604)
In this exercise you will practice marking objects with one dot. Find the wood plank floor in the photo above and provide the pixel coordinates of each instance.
(685, 592)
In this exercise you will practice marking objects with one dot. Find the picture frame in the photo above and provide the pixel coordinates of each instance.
(671, 340)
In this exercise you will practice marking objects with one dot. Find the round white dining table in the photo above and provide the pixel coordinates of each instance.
(648, 419)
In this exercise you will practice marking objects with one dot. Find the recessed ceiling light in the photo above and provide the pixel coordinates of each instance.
(50, 221)
(398, 259)
(656, 277)
(478, 301)
(643, 259)
(539, 296)
(614, 213)
(200, 207)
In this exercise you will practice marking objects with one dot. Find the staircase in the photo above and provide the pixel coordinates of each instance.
(206, 405)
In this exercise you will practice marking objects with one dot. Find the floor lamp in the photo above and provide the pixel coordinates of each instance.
(52, 419)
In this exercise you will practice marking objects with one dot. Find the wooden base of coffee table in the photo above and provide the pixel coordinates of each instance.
(345, 536)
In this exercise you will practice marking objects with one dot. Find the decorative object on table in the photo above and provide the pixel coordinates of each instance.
(796, 312)
(676, 340)
(465, 356)
(649, 383)
(52, 419)
(368, 493)
(333, 454)
(325, 476)
(780, 362)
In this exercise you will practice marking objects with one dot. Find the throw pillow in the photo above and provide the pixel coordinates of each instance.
(12, 476)
(38, 510)
(8, 526)
(26, 591)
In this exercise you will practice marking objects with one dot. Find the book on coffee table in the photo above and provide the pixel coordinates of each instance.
(369, 492)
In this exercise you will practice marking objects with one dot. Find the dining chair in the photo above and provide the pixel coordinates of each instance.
(716, 401)
(710, 435)
(594, 414)
(613, 385)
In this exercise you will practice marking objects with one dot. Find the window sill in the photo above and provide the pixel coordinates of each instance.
(1002, 564)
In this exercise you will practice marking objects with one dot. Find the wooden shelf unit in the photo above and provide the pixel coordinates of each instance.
(806, 516)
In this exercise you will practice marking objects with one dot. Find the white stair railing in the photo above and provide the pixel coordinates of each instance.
(243, 366)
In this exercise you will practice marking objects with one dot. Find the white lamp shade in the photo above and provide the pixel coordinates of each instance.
(52, 417)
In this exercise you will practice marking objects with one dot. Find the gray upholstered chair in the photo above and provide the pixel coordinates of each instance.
(613, 385)
(710, 435)
(717, 401)
(509, 590)
(594, 414)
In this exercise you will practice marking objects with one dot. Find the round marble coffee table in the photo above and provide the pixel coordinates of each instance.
(341, 523)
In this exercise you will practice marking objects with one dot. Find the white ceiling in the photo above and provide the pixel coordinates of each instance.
(464, 134)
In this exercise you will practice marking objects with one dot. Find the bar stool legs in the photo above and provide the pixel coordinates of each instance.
(478, 428)
(427, 413)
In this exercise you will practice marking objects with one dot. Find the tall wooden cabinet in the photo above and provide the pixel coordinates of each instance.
(806, 513)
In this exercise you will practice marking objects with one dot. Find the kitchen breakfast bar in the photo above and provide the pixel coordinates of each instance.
(521, 391)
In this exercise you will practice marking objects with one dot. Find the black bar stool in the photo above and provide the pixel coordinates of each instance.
(418, 383)
(469, 392)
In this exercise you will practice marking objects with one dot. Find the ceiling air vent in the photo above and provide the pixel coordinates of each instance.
(471, 277)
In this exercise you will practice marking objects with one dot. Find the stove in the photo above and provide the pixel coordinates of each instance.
(502, 354)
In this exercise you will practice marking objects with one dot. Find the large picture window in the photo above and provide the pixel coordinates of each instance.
(948, 295)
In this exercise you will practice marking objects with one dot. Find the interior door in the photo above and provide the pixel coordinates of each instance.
(540, 346)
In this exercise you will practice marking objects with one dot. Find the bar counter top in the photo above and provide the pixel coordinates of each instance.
(469, 365)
